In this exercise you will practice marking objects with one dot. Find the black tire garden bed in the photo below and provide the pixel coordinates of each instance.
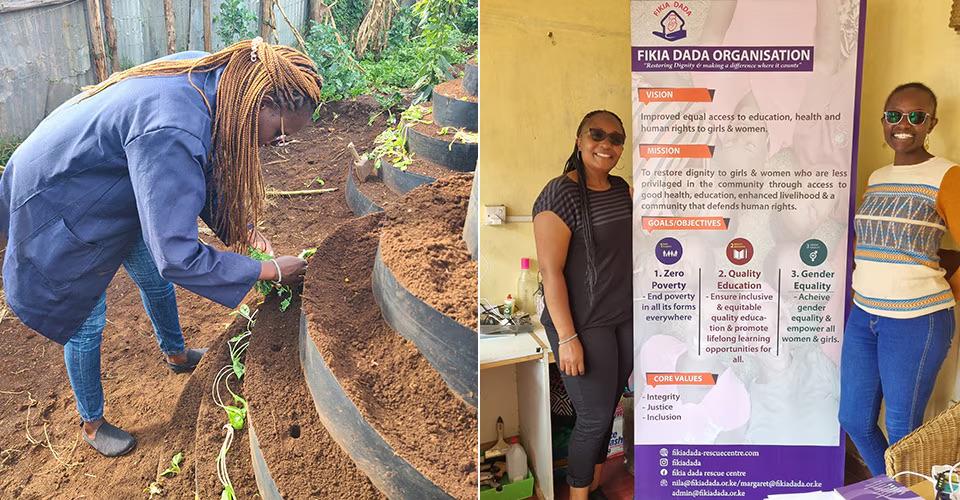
(369, 196)
(471, 78)
(453, 106)
(449, 346)
(424, 142)
(403, 426)
(402, 181)
(294, 455)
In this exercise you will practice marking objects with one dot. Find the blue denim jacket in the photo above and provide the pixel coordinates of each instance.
(95, 174)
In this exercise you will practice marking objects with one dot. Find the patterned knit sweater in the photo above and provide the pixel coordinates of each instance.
(905, 212)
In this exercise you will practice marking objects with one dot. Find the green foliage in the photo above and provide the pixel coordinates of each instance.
(237, 415)
(262, 286)
(392, 142)
(236, 22)
(348, 14)
(7, 147)
(342, 75)
(424, 42)
(174, 468)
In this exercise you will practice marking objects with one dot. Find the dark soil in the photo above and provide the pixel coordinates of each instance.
(378, 192)
(142, 395)
(455, 90)
(423, 246)
(392, 384)
(304, 460)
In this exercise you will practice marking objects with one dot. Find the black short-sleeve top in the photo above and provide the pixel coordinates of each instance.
(611, 214)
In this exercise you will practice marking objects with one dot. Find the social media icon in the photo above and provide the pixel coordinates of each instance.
(664, 462)
(663, 482)
(663, 472)
(663, 452)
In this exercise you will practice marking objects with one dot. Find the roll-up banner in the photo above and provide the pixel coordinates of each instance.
(745, 123)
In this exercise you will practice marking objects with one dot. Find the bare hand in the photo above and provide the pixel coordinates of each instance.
(292, 269)
(257, 240)
(570, 358)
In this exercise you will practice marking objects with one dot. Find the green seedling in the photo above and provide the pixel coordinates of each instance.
(222, 474)
(392, 142)
(244, 311)
(174, 468)
(262, 286)
(285, 303)
(154, 489)
(320, 181)
(459, 134)
(237, 415)
(307, 253)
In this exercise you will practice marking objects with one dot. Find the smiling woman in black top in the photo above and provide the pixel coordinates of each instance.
(582, 225)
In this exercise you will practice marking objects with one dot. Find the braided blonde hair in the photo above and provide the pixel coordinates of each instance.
(252, 70)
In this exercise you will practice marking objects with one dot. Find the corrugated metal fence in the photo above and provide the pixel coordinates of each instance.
(45, 53)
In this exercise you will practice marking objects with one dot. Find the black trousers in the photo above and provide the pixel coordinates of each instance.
(608, 361)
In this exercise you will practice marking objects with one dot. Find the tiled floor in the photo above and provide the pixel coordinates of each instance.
(617, 483)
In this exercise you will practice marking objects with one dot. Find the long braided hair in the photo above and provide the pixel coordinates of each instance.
(575, 162)
(252, 70)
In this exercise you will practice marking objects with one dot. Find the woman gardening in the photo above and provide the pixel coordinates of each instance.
(901, 322)
(119, 175)
(582, 226)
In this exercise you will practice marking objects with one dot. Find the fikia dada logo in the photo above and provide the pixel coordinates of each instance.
(672, 20)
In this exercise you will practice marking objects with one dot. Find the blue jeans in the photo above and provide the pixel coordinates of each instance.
(896, 360)
(82, 352)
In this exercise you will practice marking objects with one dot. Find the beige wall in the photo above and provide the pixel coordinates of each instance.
(547, 62)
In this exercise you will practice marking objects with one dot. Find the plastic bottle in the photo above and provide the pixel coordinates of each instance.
(516, 461)
(527, 286)
(508, 306)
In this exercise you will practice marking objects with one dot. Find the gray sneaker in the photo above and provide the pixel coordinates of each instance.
(111, 441)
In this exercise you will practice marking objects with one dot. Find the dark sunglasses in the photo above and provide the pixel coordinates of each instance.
(914, 117)
(599, 135)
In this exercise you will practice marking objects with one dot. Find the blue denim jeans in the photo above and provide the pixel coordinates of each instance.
(895, 360)
(82, 352)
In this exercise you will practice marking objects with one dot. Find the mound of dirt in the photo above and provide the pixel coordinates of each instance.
(394, 387)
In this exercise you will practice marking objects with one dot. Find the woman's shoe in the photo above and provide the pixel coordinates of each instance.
(193, 358)
(111, 441)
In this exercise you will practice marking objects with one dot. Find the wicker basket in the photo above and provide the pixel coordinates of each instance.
(936, 442)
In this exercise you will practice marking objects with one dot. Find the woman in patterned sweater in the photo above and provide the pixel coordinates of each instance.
(901, 322)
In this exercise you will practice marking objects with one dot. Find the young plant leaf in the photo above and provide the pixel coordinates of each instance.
(236, 416)
(154, 489)
(307, 253)
(174, 468)
(227, 493)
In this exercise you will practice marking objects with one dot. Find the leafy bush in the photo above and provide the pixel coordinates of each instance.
(342, 74)
(348, 14)
(424, 42)
(236, 22)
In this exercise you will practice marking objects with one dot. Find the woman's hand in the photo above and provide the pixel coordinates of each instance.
(570, 358)
(292, 269)
(257, 240)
